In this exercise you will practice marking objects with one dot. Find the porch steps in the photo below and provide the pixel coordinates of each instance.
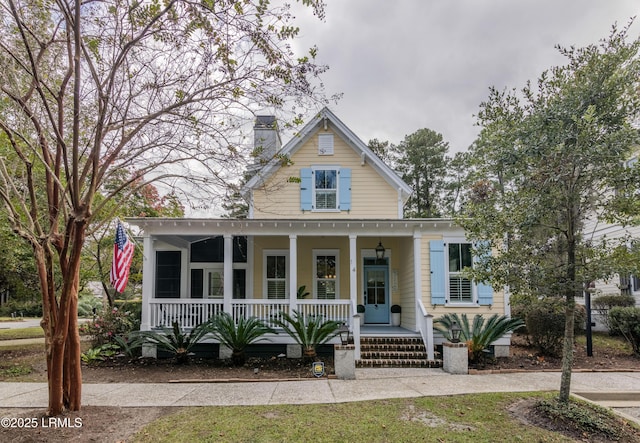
(394, 352)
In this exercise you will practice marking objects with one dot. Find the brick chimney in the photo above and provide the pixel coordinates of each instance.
(266, 138)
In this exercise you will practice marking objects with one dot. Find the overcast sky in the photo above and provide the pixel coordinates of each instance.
(409, 64)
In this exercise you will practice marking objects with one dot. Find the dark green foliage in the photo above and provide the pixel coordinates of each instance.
(108, 324)
(626, 320)
(22, 308)
(308, 331)
(545, 321)
(604, 303)
(360, 309)
(237, 335)
(302, 292)
(592, 420)
(480, 334)
(175, 341)
(99, 353)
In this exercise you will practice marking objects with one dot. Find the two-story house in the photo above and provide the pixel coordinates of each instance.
(329, 217)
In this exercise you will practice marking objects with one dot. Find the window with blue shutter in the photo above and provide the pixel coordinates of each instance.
(325, 189)
(436, 259)
(306, 194)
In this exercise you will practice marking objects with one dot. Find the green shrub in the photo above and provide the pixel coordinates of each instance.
(21, 309)
(237, 335)
(134, 307)
(308, 331)
(545, 321)
(86, 305)
(480, 334)
(108, 324)
(604, 303)
(627, 321)
(175, 341)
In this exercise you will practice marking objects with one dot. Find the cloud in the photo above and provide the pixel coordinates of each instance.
(411, 64)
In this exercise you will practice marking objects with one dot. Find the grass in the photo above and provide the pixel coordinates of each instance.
(602, 340)
(14, 334)
(460, 418)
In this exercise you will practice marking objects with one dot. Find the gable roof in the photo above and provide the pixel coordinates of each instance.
(325, 116)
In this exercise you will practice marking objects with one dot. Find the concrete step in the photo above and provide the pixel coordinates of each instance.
(398, 363)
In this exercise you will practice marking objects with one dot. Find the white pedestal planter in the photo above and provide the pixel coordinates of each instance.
(395, 319)
(455, 358)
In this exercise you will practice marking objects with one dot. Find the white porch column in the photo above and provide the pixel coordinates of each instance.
(353, 293)
(353, 270)
(293, 272)
(417, 288)
(148, 265)
(227, 279)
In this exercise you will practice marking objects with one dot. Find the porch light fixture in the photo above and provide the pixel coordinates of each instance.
(380, 251)
(454, 331)
(344, 334)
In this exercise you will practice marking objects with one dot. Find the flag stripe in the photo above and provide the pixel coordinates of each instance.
(123, 250)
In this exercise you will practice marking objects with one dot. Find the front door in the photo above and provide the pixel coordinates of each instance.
(376, 294)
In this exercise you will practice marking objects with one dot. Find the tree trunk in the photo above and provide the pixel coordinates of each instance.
(570, 309)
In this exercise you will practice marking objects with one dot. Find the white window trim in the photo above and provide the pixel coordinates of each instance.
(314, 206)
(316, 253)
(275, 252)
(474, 286)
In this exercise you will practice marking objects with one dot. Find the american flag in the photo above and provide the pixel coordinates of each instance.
(122, 256)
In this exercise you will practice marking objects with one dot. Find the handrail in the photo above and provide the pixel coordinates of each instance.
(425, 326)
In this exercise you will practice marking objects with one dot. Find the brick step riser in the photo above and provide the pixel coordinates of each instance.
(390, 341)
(393, 355)
(387, 348)
(383, 363)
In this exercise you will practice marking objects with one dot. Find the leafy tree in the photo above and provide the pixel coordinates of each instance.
(422, 163)
(158, 89)
(388, 152)
(549, 161)
(143, 200)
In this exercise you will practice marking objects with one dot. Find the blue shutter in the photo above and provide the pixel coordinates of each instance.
(305, 189)
(436, 259)
(485, 292)
(344, 189)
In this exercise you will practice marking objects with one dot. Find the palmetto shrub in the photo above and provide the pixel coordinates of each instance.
(309, 331)
(175, 341)
(480, 333)
(237, 335)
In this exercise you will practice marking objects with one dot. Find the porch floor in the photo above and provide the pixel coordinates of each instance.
(386, 331)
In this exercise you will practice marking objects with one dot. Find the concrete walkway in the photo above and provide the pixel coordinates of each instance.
(371, 384)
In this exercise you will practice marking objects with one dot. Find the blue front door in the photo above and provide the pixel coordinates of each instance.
(376, 294)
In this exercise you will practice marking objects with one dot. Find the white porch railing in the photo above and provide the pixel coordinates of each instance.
(265, 310)
(337, 310)
(190, 312)
(425, 326)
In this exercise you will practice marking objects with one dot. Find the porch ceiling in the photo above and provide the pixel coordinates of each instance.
(194, 229)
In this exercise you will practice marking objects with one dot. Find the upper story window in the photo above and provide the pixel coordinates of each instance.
(325, 188)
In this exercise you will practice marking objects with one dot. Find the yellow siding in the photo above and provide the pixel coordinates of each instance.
(371, 195)
(406, 284)
(439, 310)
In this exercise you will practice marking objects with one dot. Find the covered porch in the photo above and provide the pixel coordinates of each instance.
(335, 260)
